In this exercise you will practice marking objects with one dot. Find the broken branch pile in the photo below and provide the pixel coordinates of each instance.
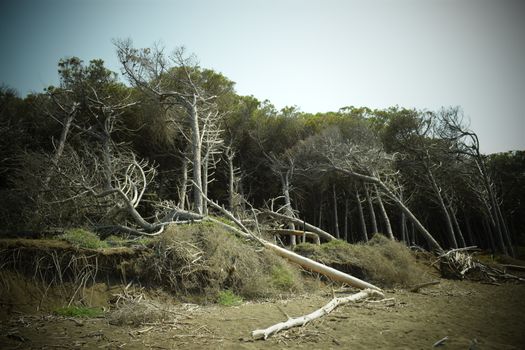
(459, 264)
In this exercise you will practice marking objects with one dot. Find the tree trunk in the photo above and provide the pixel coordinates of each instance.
(403, 225)
(205, 168)
(320, 268)
(489, 234)
(320, 217)
(412, 233)
(197, 154)
(494, 205)
(384, 214)
(346, 220)
(505, 231)
(60, 148)
(323, 234)
(305, 234)
(336, 218)
(361, 216)
(231, 180)
(457, 227)
(371, 210)
(184, 184)
(288, 204)
(108, 166)
(469, 231)
(442, 206)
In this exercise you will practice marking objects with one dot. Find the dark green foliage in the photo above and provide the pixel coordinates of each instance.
(255, 130)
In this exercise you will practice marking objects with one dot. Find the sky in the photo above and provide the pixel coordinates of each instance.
(319, 55)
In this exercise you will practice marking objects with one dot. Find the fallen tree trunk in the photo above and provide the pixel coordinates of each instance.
(309, 264)
(307, 234)
(315, 266)
(303, 320)
(323, 234)
(433, 244)
(302, 261)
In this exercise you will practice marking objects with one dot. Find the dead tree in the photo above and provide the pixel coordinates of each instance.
(365, 163)
(336, 218)
(234, 180)
(371, 211)
(284, 167)
(440, 201)
(384, 214)
(361, 215)
(174, 82)
(466, 143)
(68, 111)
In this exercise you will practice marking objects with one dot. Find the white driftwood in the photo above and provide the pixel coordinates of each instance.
(303, 320)
(323, 234)
(312, 235)
(312, 265)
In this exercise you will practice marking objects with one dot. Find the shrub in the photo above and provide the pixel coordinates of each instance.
(380, 261)
(282, 278)
(228, 298)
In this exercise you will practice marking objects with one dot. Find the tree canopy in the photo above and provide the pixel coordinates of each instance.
(99, 151)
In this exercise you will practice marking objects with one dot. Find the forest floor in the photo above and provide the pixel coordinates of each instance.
(472, 315)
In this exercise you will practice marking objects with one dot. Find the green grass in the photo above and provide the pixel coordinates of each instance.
(282, 278)
(79, 311)
(228, 298)
(224, 220)
(82, 238)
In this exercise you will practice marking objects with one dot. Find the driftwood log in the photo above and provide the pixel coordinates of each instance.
(309, 235)
(322, 234)
(303, 320)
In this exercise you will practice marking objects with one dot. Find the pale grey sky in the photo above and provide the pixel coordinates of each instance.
(317, 54)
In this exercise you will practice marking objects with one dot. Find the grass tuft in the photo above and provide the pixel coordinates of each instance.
(79, 311)
(228, 298)
(82, 238)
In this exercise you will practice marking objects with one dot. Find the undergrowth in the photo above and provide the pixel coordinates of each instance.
(381, 261)
(228, 298)
(205, 259)
(82, 238)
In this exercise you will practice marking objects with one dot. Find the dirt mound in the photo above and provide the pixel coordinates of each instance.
(193, 263)
(204, 259)
(381, 261)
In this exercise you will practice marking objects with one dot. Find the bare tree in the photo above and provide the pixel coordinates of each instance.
(284, 167)
(466, 143)
(363, 162)
(174, 81)
(384, 214)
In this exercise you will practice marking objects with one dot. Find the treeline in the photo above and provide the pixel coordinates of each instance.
(96, 152)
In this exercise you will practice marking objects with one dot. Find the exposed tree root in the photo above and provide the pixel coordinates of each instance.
(458, 264)
(417, 287)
